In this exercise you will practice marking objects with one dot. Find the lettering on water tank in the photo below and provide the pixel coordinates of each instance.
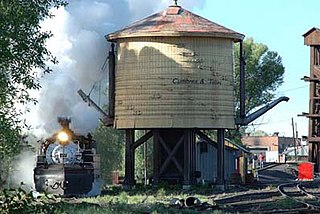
(188, 54)
(215, 115)
(180, 45)
(178, 81)
(196, 60)
(155, 96)
(204, 67)
(219, 79)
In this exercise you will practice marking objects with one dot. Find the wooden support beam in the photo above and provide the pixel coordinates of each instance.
(143, 139)
(129, 158)
(220, 158)
(189, 165)
(171, 155)
(156, 157)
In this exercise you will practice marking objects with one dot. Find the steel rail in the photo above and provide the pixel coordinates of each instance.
(299, 188)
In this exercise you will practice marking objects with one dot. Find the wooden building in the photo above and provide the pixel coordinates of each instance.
(312, 39)
(206, 161)
(269, 145)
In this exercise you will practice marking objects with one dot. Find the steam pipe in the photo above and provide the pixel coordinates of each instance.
(112, 63)
(259, 112)
(242, 82)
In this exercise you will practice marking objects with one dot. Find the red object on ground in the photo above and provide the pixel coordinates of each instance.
(305, 171)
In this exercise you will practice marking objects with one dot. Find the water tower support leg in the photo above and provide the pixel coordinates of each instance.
(156, 158)
(189, 158)
(220, 160)
(129, 159)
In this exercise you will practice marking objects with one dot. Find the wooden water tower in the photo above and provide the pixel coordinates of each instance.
(173, 76)
(312, 39)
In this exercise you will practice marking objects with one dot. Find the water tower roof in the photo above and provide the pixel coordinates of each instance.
(175, 21)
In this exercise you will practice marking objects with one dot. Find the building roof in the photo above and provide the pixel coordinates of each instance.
(312, 37)
(174, 21)
(310, 31)
(235, 145)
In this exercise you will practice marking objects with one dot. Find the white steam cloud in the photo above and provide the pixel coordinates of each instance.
(23, 170)
(81, 50)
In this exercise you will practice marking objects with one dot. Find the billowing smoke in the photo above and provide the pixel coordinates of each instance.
(81, 49)
(22, 173)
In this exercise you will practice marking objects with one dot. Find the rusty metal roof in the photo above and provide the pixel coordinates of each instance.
(175, 21)
(310, 31)
(312, 37)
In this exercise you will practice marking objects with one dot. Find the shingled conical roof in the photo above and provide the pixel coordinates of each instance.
(174, 21)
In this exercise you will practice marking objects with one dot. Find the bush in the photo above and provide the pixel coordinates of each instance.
(19, 201)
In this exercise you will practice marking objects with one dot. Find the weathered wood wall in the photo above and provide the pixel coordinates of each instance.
(168, 82)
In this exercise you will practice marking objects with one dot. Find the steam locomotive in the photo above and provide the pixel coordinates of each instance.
(67, 163)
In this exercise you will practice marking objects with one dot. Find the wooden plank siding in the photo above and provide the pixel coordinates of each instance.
(170, 82)
(206, 162)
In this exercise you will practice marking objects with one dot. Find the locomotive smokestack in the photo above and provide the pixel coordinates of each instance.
(64, 122)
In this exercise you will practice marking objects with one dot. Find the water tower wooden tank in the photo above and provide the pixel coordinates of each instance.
(174, 76)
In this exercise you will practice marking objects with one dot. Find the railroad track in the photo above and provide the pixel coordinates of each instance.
(305, 193)
(294, 197)
(250, 202)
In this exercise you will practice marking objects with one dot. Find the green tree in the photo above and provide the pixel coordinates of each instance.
(111, 147)
(264, 74)
(22, 53)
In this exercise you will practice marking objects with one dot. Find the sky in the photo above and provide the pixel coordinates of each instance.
(279, 24)
(81, 49)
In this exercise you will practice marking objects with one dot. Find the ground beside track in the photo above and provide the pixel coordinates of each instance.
(278, 173)
(257, 197)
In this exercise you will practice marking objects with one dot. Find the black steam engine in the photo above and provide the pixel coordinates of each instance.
(65, 163)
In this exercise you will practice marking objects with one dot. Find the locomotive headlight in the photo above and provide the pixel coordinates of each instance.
(63, 137)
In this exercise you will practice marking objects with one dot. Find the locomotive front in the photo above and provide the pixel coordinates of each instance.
(65, 163)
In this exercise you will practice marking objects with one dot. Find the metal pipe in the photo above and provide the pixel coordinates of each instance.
(112, 63)
(261, 111)
(242, 82)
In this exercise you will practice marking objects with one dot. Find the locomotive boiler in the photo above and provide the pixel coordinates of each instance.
(67, 163)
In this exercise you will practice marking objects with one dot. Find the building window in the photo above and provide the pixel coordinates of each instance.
(316, 54)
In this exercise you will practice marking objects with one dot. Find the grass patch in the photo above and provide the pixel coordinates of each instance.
(138, 200)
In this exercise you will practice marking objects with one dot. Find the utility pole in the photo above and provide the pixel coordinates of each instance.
(298, 143)
(294, 140)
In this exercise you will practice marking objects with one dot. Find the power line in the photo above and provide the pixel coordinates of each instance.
(293, 89)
